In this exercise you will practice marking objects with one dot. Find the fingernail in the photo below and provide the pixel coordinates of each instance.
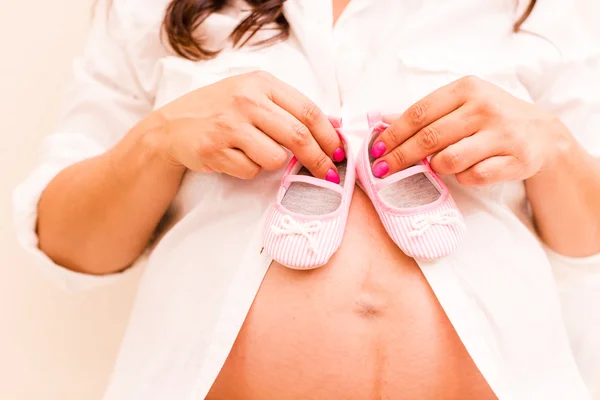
(332, 176)
(380, 169)
(378, 149)
(339, 155)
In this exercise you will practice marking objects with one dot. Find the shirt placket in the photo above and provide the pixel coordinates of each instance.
(310, 24)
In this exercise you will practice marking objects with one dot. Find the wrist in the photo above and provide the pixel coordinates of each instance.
(143, 151)
(561, 151)
(151, 135)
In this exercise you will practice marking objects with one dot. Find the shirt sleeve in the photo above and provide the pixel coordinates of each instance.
(103, 101)
(562, 69)
(578, 282)
(562, 74)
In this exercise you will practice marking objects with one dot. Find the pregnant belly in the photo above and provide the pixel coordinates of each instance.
(366, 326)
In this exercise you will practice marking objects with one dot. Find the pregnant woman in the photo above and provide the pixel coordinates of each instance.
(176, 132)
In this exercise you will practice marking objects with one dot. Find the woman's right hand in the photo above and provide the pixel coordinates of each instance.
(238, 126)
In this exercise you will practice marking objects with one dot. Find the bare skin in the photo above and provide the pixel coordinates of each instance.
(483, 135)
(345, 330)
(338, 8)
(367, 325)
(236, 127)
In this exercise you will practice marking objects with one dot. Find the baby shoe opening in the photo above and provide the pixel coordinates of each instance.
(308, 199)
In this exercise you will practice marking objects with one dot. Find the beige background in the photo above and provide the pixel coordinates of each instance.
(54, 345)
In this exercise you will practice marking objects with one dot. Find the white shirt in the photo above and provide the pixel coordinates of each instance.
(498, 289)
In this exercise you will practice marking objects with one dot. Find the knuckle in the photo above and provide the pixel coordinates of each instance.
(244, 97)
(393, 134)
(311, 113)
(260, 75)
(202, 152)
(488, 107)
(300, 135)
(461, 178)
(398, 157)
(450, 160)
(223, 123)
(480, 176)
(417, 114)
(280, 158)
(321, 161)
(524, 157)
(330, 143)
(471, 81)
(250, 172)
(428, 138)
(254, 171)
(276, 161)
(469, 84)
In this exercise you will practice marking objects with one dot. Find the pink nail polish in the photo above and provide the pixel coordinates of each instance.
(378, 150)
(380, 169)
(332, 176)
(339, 155)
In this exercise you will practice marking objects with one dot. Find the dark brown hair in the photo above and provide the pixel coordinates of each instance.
(526, 14)
(183, 17)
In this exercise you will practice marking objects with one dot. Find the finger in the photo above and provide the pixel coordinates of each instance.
(432, 107)
(261, 149)
(336, 122)
(390, 118)
(467, 152)
(286, 130)
(432, 138)
(311, 116)
(235, 163)
(491, 171)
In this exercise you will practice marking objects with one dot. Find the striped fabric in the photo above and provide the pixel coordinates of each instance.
(424, 232)
(294, 249)
(438, 241)
(308, 241)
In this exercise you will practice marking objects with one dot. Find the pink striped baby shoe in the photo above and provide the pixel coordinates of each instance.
(414, 205)
(306, 224)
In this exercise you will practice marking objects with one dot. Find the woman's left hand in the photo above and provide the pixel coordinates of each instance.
(476, 130)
